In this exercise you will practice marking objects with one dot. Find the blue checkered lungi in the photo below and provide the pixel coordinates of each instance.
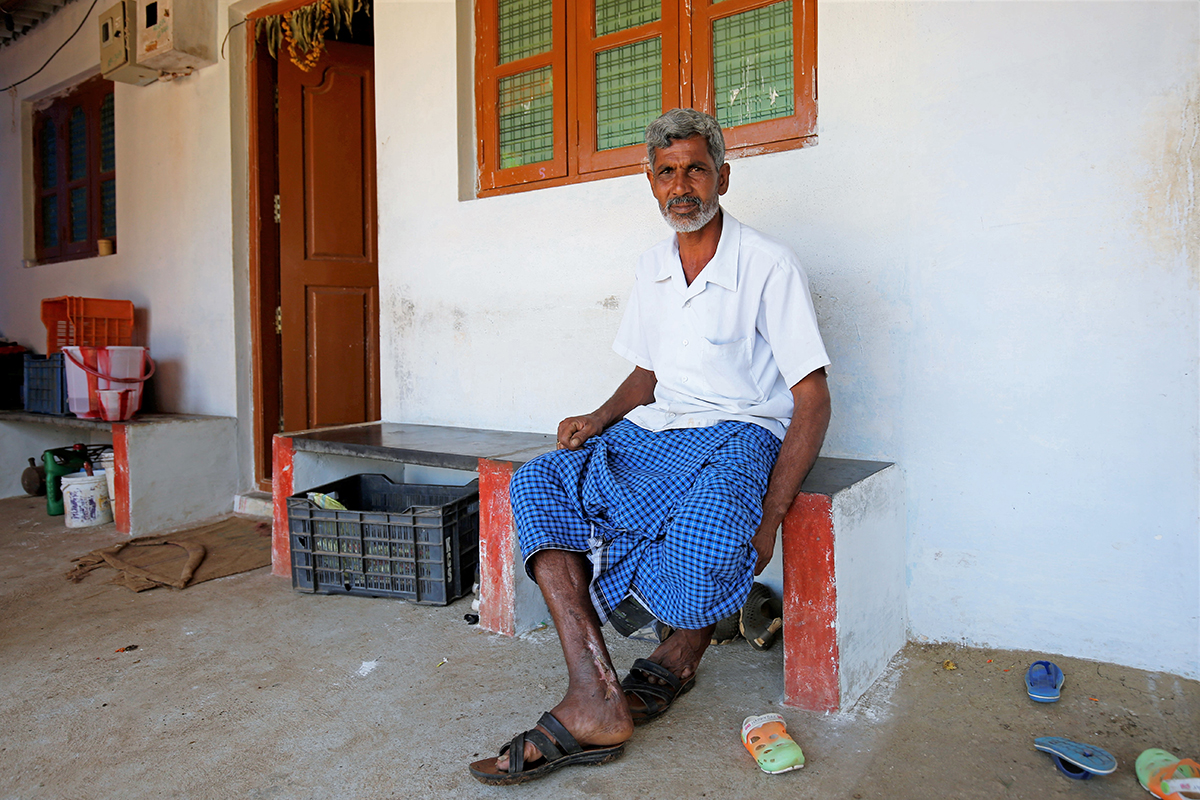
(666, 514)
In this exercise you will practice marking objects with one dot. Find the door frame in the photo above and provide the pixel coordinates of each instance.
(265, 357)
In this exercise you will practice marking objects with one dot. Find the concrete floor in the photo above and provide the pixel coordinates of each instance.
(243, 688)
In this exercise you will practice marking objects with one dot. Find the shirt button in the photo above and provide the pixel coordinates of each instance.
(688, 304)
(685, 341)
(685, 379)
(670, 416)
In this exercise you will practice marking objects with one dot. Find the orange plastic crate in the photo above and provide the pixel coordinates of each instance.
(86, 322)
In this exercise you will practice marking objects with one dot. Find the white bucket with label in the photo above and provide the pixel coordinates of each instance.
(85, 499)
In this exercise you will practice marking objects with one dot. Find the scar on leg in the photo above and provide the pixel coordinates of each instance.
(612, 688)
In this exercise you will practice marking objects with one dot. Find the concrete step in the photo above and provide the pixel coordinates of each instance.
(254, 504)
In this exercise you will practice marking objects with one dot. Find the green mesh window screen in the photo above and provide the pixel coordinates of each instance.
(50, 221)
(620, 15)
(526, 28)
(108, 208)
(526, 115)
(752, 65)
(79, 214)
(628, 92)
(108, 156)
(77, 145)
(49, 157)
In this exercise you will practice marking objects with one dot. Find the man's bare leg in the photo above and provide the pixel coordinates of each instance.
(594, 709)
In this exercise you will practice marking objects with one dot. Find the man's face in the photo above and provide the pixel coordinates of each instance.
(687, 184)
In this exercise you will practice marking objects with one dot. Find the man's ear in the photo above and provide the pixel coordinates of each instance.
(723, 179)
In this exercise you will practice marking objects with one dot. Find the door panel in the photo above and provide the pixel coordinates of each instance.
(341, 322)
(329, 284)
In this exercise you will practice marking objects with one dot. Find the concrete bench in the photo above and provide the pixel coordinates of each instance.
(171, 469)
(840, 568)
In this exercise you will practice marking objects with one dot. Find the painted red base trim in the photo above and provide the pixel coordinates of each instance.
(497, 611)
(121, 477)
(810, 649)
(281, 490)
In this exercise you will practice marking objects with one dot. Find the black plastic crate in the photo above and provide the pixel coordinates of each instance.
(46, 384)
(407, 541)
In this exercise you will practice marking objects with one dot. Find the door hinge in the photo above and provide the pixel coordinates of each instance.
(279, 320)
(276, 97)
(278, 215)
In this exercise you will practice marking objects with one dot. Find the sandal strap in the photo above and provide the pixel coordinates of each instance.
(516, 753)
(544, 744)
(647, 667)
(561, 735)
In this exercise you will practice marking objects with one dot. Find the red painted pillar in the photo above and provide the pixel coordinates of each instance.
(120, 503)
(810, 648)
(497, 539)
(281, 490)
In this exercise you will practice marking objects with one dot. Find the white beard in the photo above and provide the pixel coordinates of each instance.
(708, 210)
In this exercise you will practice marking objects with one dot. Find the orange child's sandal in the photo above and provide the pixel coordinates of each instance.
(767, 739)
(1167, 777)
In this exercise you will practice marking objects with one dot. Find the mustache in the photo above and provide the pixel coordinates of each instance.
(687, 198)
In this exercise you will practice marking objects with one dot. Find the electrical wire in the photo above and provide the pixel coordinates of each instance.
(56, 52)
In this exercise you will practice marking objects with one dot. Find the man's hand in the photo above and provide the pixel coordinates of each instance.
(574, 431)
(636, 390)
(764, 544)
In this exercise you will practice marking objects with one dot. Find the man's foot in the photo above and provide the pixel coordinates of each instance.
(554, 753)
(592, 722)
(679, 656)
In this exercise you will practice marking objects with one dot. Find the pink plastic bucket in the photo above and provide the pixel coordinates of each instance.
(92, 370)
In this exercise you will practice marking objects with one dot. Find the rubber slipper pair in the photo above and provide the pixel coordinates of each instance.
(1167, 777)
(561, 751)
(1044, 682)
(1075, 760)
(726, 630)
(761, 617)
(767, 739)
(656, 697)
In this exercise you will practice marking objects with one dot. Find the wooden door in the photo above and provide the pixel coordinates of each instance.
(328, 268)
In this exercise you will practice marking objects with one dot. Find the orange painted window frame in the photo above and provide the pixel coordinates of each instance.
(686, 31)
(88, 97)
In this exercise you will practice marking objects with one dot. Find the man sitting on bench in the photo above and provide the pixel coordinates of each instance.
(670, 494)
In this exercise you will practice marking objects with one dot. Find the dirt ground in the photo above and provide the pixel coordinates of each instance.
(244, 688)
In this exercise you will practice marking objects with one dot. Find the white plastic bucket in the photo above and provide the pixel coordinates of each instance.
(85, 499)
(92, 370)
(107, 459)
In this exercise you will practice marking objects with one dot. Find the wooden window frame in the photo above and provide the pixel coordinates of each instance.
(88, 96)
(685, 28)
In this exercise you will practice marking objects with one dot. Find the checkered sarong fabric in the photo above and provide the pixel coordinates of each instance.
(666, 514)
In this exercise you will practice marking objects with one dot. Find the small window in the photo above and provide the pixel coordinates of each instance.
(74, 158)
(564, 90)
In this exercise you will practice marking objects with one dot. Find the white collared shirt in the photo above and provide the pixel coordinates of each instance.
(730, 345)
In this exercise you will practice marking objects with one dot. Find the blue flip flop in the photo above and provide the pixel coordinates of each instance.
(1044, 681)
(1075, 760)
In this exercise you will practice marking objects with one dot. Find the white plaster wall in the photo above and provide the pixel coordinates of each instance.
(173, 215)
(868, 528)
(1000, 230)
(180, 472)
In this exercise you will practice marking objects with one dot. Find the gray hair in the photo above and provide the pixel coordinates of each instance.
(684, 123)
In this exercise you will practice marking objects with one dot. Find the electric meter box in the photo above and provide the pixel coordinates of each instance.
(118, 46)
(176, 36)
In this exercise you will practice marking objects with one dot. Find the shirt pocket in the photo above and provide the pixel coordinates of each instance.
(727, 369)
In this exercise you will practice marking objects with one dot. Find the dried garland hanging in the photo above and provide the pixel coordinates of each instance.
(303, 30)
